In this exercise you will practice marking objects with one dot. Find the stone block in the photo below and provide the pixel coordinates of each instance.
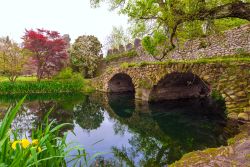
(247, 109)
(243, 116)
(129, 47)
(110, 52)
(115, 51)
(232, 115)
(137, 43)
(121, 49)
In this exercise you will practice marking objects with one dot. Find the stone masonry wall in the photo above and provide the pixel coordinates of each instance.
(231, 42)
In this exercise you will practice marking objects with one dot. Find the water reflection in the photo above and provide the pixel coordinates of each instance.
(130, 132)
(88, 115)
(122, 104)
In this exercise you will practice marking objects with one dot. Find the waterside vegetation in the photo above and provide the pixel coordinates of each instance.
(44, 146)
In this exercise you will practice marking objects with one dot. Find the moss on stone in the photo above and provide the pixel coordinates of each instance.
(201, 158)
(226, 59)
(113, 57)
(145, 84)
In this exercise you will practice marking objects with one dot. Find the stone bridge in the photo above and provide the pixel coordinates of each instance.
(168, 81)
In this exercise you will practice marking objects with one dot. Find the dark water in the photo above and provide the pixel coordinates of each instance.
(126, 131)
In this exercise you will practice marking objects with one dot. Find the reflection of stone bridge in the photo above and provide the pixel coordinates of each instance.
(157, 82)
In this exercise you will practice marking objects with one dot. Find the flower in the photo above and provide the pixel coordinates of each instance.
(13, 146)
(25, 143)
(35, 142)
(39, 149)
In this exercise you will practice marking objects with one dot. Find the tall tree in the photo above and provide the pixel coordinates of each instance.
(12, 58)
(166, 20)
(49, 51)
(117, 37)
(85, 54)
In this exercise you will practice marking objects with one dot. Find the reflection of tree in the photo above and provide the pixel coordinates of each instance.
(24, 120)
(88, 115)
(119, 129)
(145, 151)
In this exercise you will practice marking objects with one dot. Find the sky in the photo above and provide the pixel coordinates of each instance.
(73, 17)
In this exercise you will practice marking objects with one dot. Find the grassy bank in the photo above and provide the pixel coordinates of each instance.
(46, 86)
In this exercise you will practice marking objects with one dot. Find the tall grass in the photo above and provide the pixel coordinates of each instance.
(45, 147)
(47, 86)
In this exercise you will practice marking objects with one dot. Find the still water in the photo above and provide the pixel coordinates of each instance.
(128, 132)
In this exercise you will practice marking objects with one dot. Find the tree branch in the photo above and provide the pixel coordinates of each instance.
(236, 9)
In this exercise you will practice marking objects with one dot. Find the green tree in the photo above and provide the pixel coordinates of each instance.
(12, 58)
(117, 37)
(165, 22)
(85, 54)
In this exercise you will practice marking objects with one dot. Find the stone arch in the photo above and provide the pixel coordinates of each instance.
(179, 85)
(120, 82)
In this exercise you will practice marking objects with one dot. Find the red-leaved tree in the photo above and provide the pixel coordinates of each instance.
(49, 51)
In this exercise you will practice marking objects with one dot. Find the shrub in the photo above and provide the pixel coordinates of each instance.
(68, 74)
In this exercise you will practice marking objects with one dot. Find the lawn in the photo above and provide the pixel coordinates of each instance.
(21, 78)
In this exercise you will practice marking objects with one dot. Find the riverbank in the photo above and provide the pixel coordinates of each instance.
(237, 153)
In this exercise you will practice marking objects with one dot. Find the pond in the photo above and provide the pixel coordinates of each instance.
(129, 132)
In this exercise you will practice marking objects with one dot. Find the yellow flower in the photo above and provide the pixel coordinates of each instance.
(39, 149)
(13, 146)
(35, 142)
(25, 143)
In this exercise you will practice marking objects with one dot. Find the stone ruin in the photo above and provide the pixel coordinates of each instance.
(137, 45)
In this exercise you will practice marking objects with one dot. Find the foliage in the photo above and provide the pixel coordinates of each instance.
(43, 148)
(178, 20)
(85, 54)
(117, 37)
(45, 86)
(131, 53)
(49, 51)
(12, 58)
(155, 44)
(68, 74)
(217, 96)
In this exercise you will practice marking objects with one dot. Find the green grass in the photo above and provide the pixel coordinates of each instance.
(229, 59)
(21, 78)
(47, 86)
(30, 85)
